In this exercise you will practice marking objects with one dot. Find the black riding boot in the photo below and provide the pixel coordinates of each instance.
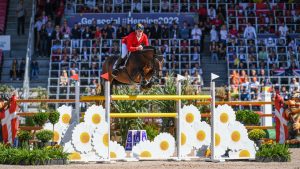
(116, 65)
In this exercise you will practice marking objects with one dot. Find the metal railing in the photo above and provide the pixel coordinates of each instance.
(149, 6)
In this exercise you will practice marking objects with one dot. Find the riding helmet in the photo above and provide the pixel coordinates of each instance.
(139, 27)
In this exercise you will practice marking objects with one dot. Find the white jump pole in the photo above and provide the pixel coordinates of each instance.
(77, 102)
(212, 119)
(178, 107)
(213, 158)
(267, 108)
(107, 112)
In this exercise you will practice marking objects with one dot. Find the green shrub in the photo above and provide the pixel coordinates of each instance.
(24, 136)
(273, 152)
(40, 118)
(16, 156)
(256, 134)
(152, 131)
(44, 135)
(29, 121)
(247, 117)
(54, 117)
(205, 109)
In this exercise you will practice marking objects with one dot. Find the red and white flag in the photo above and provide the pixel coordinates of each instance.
(10, 121)
(280, 120)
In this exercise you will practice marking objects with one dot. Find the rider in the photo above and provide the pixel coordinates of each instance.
(133, 42)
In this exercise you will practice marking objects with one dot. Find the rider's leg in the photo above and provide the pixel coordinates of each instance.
(124, 54)
(119, 61)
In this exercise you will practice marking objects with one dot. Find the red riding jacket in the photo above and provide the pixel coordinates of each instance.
(132, 42)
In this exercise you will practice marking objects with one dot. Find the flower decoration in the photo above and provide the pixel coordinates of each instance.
(58, 132)
(116, 150)
(65, 113)
(248, 151)
(221, 141)
(145, 149)
(73, 155)
(100, 140)
(202, 134)
(238, 135)
(190, 114)
(81, 137)
(95, 116)
(187, 139)
(165, 143)
(224, 115)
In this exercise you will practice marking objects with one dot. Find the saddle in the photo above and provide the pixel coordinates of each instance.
(122, 64)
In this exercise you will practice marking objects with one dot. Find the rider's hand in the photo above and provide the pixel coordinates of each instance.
(140, 47)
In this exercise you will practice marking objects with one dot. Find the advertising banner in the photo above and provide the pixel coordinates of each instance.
(131, 18)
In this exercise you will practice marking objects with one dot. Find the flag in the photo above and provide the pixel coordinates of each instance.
(280, 120)
(10, 121)
(213, 76)
(105, 76)
(180, 77)
(296, 72)
(279, 72)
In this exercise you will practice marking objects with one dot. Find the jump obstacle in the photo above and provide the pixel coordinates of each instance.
(178, 98)
(107, 98)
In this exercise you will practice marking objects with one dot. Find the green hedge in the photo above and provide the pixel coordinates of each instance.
(273, 152)
(25, 156)
(247, 117)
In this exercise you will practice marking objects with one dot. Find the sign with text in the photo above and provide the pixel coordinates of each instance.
(134, 137)
(124, 18)
(5, 42)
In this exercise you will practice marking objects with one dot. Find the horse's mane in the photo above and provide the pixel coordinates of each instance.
(150, 48)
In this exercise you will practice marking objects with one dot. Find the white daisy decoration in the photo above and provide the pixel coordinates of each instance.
(76, 156)
(247, 152)
(95, 116)
(73, 155)
(82, 137)
(68, 147)
(100, 140)
(187, 139)
(238, 136)
(165, 143)
(190, 114)
(224, 115)
(65, 113)
(116, 151)
(145, 149)
(202, 134)
(58, 132)
(221, 142)
(91, 156)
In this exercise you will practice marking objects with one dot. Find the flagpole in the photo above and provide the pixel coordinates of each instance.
(213, 158)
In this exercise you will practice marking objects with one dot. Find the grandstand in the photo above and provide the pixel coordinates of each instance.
(249, 44)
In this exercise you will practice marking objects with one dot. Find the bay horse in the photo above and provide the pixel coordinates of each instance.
(142, 67)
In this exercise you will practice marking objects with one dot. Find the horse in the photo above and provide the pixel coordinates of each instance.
(142, 67)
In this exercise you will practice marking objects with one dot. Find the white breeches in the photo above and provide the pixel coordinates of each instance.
(124, 50)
